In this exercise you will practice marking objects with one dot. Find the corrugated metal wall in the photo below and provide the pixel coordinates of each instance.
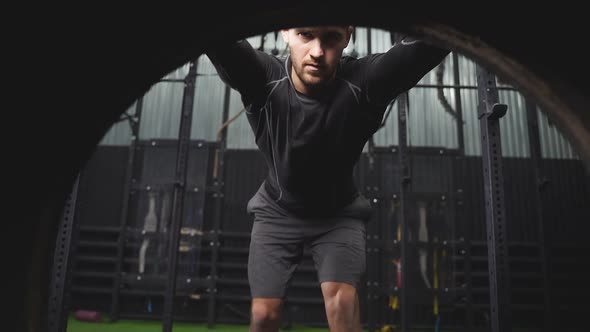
(429, 124)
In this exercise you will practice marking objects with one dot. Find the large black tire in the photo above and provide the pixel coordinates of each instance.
(110, 61)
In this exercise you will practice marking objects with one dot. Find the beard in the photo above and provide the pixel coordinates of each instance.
(313, 79)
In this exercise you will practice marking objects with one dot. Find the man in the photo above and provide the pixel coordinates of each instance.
(312, 112)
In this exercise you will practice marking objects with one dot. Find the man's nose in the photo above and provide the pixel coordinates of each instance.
(317, 50)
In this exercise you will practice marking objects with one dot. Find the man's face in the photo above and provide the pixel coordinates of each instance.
(315, 54)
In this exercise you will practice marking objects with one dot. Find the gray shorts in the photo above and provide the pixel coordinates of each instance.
(278, 238)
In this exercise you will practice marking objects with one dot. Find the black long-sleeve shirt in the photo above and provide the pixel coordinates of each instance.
(311, 146)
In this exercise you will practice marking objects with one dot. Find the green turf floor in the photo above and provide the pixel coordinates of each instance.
(75, 325)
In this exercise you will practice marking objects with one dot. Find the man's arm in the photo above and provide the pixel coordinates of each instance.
(242, 67)
(400, 68)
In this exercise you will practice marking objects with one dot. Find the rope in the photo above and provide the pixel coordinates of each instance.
(219, 132)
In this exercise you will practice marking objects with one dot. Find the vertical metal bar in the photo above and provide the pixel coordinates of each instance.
(404, 176)
(262, 40)
(404, 183)
(469, 288)
(371, 145)
(458, 104)
(373, 309)
(184, 136)
(374, 279)
(369, 42)
(450, 219)
(544, 240)
(218, 182)
(135, 120)
(459, 192)
(490, 111)
(59, 294)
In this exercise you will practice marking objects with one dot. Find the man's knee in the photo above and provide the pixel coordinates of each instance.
(339, 297)
(266, 312)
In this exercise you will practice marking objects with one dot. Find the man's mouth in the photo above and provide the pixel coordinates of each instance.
(314, 66)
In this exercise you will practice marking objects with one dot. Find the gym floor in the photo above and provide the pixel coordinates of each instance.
(75, 325)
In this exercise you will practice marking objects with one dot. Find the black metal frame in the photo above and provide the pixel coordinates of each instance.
(374, 260)
(540, 181)
(404, 178)
(59, 288)
(372, 193)
(458, 104)
(218, 183)
(404, 184)
(490, 111)
(177, 211)
(134, 123)
(462, 87)
(468, 286)
(464, 244)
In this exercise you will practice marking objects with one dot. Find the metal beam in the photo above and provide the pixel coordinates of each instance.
(404, 183)
(540, 181)
(177, 216)
(218, 182)
(490, 111)
(134, 123)
(59, 288)
(458, 104)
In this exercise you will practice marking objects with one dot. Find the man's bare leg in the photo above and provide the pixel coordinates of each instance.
(265, 314)
(342, 307)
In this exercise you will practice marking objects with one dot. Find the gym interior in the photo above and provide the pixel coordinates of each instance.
(467, 229)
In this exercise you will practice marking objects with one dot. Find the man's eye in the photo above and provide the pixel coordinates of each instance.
(305, 34)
